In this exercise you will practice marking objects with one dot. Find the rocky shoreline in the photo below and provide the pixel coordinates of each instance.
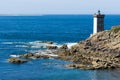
(100, 51)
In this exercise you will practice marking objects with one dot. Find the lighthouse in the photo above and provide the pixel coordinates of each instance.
(98, 22)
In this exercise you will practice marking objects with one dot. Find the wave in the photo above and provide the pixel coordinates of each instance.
(46, 52)
(13, 43)
(15, 56)
(40, 44)
(24, 46)
(6, 43)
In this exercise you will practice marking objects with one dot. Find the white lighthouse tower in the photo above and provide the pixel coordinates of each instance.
(98, 22)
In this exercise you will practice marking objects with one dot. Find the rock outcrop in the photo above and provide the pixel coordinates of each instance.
(100, 51)
(16, 60)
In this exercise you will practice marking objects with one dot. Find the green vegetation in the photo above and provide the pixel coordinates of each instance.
(115, 29)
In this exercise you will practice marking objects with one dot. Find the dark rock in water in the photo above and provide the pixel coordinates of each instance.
(49, 42)
(41, 56)
(30, 55)
(64, 46)
(51, 47)
(16, 60)
(80, 66)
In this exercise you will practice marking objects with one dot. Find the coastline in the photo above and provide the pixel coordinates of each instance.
(96, 52)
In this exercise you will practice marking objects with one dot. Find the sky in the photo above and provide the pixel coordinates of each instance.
(40, 7)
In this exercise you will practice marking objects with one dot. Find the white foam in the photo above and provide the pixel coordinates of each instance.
(21, 46)
(59, 45)
(37, 44)
(46, 52)
(53, 55)
(70, 44)
(40, 44)
(14, 55)
(12, 42)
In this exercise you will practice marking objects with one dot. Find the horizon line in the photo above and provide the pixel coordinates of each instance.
(46, 14)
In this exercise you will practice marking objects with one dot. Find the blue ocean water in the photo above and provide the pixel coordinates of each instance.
(18, 33)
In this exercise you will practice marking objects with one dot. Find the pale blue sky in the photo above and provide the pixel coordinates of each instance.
(39, 7)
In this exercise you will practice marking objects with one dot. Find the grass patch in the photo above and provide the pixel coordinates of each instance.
(115, 29)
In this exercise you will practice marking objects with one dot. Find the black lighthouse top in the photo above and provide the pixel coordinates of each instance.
(99, 15)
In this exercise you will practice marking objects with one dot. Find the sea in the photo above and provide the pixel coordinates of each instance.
(23, 34)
